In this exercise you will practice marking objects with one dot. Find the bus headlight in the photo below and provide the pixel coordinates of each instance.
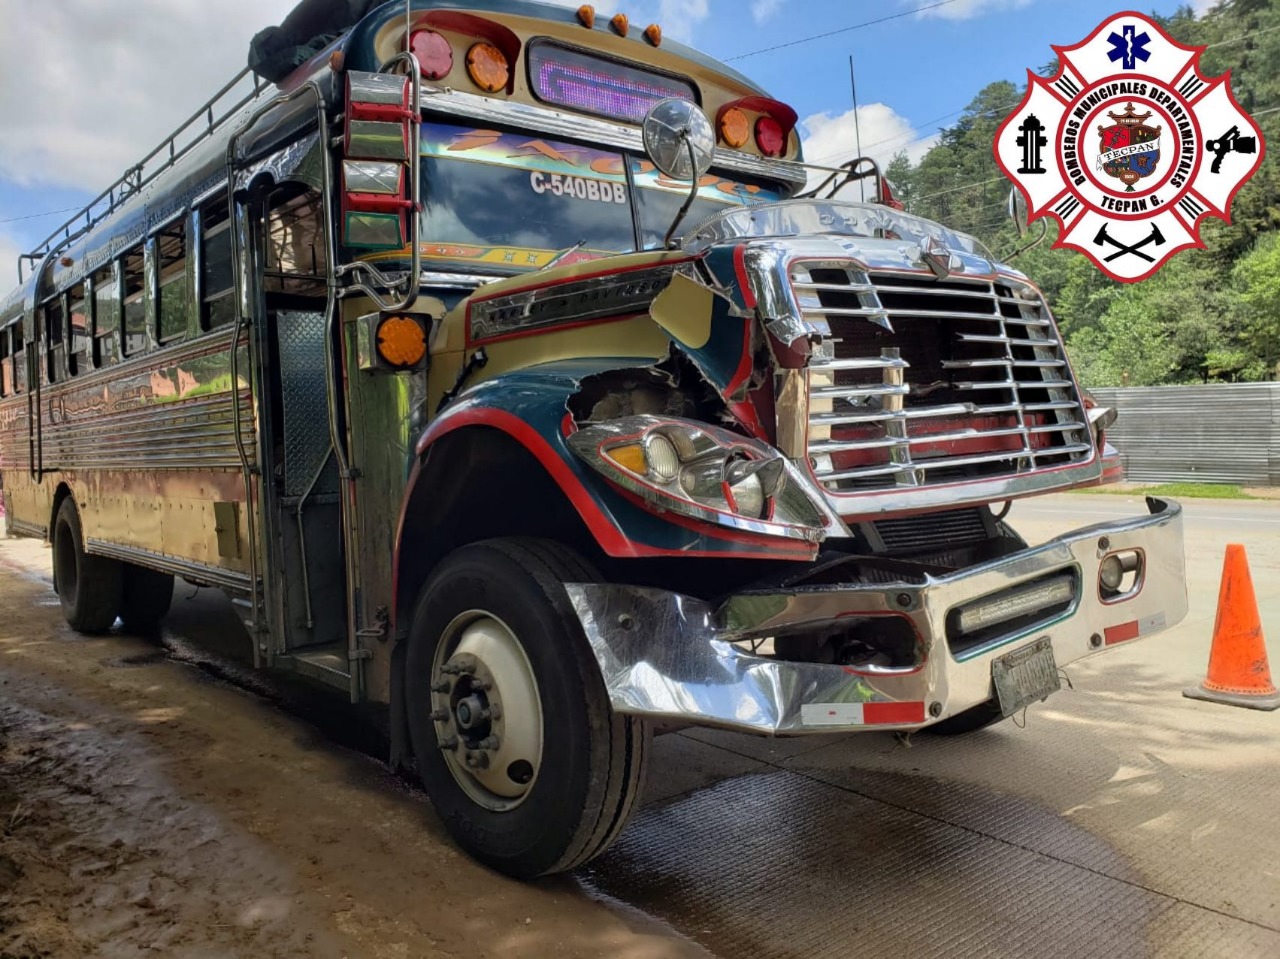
(704, 472)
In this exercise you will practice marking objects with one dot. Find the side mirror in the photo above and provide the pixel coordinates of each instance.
(678, 139)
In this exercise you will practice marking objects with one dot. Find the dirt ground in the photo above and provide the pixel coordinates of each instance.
(148, 809)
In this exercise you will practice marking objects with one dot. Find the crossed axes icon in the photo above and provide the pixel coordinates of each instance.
(1104, 238)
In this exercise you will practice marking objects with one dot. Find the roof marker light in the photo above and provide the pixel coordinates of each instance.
(653, 33)
(620, 24)
(587, 16)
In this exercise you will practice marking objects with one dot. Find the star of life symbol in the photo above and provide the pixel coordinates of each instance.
(1128, 147)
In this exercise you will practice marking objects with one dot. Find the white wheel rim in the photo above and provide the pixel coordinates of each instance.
(487, 711)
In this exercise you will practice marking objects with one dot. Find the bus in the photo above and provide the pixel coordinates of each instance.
(503, 366)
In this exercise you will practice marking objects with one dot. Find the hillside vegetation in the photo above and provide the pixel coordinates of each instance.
(1210, 315)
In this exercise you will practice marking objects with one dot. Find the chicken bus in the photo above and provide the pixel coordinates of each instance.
(503, 364)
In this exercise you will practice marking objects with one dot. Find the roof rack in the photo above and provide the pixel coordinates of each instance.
(243, 88)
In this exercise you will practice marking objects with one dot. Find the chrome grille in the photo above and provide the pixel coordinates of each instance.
(920, 381)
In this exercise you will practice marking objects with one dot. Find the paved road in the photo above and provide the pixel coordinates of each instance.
(1123, 820)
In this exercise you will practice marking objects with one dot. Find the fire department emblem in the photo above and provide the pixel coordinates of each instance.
(1128, 147)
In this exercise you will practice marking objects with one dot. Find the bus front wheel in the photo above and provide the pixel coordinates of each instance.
(515, 742)
(89, 587)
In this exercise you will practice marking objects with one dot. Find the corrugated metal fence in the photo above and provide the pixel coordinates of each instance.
(1228, 433)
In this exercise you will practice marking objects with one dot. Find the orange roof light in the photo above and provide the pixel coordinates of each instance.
(735, 129)
(653, 33)
(587, 16)
(620, 24)
(401, 341)
(488, 67)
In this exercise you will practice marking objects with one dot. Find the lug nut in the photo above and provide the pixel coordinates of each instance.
(441, 687)
(440, 716)
(450, 744)
(490, 742)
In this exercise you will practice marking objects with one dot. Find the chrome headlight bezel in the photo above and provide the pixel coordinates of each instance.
(625, 451)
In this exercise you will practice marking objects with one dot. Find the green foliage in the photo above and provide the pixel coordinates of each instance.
(1175, 490)
(1210, 315)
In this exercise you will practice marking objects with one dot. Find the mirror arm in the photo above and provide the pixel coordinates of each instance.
(693, 195)
(1044, 231)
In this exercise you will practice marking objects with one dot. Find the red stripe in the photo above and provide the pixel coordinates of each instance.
(1121, 633)
(876, 714)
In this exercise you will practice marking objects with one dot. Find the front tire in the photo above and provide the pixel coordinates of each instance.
(89, 587)
(516, 744)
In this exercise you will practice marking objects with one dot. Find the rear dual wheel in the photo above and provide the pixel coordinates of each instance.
(516, 744)
(94, 590)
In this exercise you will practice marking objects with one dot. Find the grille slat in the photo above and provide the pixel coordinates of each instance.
(937, 393)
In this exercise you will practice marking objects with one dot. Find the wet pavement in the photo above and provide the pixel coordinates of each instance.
(1123, 820)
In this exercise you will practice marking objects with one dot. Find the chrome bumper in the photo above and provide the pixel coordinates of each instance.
(669, 656)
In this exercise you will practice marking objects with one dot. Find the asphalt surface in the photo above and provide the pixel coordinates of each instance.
(1120, 820)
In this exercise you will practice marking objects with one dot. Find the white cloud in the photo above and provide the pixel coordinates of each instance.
(831, 140)
(968, 9)
(762, 10)
(1201, 7)
(87, 87)
(9, 251)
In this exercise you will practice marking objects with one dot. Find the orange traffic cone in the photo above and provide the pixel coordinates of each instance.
(1238, 671)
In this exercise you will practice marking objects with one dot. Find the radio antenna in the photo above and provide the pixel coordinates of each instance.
(408, 26)
(857, 132)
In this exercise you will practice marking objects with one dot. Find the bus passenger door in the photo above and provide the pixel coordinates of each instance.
(303, 549)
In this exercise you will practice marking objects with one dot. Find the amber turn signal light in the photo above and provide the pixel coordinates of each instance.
(734, 128)
(401, 342)
(488, 67)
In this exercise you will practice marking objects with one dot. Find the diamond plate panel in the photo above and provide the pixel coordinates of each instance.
(306, 413)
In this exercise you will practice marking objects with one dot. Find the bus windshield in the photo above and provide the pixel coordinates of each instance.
(501, 202)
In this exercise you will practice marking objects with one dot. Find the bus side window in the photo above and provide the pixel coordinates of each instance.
(6, 372)
(19, 360)
(54, 340)
(135, 305)
(217, 281)
(78, 312)
(173, 289)
(106, 317)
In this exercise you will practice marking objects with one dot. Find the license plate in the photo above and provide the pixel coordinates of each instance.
(1025, 676)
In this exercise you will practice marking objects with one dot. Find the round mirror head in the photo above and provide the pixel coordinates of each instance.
(678, 139)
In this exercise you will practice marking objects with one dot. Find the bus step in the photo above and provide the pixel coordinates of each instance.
(327, 664)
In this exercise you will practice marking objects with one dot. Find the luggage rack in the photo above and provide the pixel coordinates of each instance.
(198, 127)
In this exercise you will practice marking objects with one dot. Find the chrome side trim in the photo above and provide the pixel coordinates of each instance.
(577, 127)
(668, 656)
(18, 528)
(188, 569)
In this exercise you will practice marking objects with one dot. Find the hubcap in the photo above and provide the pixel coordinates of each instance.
(487, 714)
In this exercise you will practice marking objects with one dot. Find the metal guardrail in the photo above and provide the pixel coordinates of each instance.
(1225, 433)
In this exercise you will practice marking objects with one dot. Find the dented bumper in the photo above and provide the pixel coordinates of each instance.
(668, 656)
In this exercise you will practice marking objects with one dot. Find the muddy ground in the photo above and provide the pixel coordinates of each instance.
(149, 808)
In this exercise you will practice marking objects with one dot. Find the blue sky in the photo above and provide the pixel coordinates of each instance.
(914, 74)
